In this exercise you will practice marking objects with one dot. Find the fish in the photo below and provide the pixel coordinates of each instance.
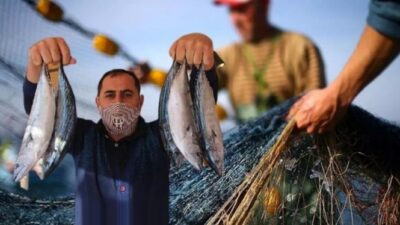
(39, 128)
(176, 118)
(207, 121)
(64, 125)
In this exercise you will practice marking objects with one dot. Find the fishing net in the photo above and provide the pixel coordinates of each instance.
(343, 177)
(274, 175)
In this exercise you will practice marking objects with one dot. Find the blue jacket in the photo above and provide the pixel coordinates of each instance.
(118, 183)
(124, 182)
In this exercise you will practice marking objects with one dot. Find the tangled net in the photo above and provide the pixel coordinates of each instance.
(274, 175)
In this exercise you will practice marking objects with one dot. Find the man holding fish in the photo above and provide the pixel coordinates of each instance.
(121, 165)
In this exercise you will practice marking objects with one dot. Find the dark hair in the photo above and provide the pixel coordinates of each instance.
(116, 72)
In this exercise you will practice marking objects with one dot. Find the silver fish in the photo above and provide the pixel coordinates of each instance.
(178, 129)
(207, 120)
(39, 129)
(65, 121)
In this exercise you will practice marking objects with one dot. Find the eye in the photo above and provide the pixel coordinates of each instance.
(128, 94)
(109, 95)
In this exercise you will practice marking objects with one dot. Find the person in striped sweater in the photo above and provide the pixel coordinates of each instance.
(269, 65)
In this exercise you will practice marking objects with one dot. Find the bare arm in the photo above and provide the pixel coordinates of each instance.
(319, 110)
(372, 55)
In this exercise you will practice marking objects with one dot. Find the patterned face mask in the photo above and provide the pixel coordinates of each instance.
(119, 118)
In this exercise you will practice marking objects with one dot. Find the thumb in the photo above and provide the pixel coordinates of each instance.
(72, 60)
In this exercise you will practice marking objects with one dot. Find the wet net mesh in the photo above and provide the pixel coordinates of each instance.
(274, 175)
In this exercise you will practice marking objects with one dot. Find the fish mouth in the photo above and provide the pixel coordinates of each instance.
(214, 165)
(19, 172)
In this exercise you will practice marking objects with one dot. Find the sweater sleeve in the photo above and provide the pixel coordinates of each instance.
(314, 70)
(225, 53)
(306, 65)
(384, 16)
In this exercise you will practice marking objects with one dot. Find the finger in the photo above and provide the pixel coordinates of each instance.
(172, 51)
(45, 53)
(198, 56)
(293, 110)
(301, 118)
(311, 129)
(54, 50)
(290, 114)
(324, 127)
(65, 51)
(189, 50)
(72, 61)
(35, 57)
(189, 55)
(322, 130)
(208, 57)
(180, 53)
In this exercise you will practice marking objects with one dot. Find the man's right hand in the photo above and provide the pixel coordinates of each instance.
(49, 50)
(319, 110)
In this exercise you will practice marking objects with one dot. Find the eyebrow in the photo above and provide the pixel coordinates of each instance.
(113, 91)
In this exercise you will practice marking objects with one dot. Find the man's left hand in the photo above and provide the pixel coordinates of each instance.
(196, 48)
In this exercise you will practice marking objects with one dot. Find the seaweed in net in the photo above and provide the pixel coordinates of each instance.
(334, 178)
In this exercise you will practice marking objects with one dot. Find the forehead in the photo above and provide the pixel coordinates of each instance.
(119, 81)
(241, 8)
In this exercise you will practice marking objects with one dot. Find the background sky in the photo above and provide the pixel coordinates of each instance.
(147, 28)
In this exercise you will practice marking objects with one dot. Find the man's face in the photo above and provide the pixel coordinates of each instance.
(247, 18)
(119, 88)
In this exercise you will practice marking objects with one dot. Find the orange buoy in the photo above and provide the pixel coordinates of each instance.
(221, 112)
(157, 77)
(49, 10)
(105, 45)
(272, 200)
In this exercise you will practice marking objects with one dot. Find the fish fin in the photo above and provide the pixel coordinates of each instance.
(24, 182)
(38, 168)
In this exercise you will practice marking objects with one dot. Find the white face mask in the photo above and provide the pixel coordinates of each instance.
(119, 118)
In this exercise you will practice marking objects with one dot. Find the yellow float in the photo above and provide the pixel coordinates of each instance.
(157, 77)
(49, 10)
(105, 45)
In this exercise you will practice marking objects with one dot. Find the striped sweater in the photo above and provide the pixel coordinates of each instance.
(288, 64)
